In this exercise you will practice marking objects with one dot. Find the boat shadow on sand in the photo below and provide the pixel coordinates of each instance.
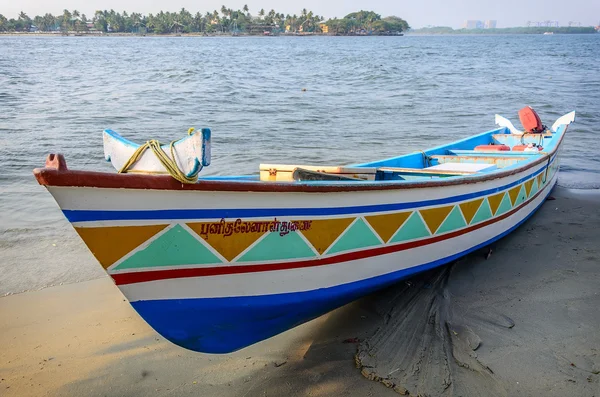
(521, 322)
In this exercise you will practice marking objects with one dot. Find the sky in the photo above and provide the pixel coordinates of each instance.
(419, 13)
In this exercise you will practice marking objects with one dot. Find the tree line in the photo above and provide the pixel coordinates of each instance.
(223, 20)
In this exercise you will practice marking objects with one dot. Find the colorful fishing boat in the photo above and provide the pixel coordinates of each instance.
(224, 262)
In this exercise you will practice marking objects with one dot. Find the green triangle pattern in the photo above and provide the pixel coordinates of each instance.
(453, 221)
(276, 247)
(174, 247)
(505, 205)
(521, 197)
(412, 229)
(483, 213)
(534, 188)
(359, 235)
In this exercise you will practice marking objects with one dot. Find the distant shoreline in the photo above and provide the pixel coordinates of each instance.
(195, 34)
(415, 32)
(516, 30)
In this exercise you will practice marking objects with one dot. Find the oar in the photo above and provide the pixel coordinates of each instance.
(504, 122)
(566, 120)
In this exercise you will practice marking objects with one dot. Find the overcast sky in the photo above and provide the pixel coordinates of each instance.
(418, 13)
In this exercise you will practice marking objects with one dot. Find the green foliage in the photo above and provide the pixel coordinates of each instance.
(3, 23)
(225, 20)
(367, 22)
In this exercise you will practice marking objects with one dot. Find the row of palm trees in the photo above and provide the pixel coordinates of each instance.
(225, 20)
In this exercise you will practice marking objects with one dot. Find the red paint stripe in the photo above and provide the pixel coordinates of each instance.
(154, 275)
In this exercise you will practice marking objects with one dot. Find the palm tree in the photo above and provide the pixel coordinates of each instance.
(3, 23)
(75, 20)
(66, 20)
(99, 21)
(26, 21)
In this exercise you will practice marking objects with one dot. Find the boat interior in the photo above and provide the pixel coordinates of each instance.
(490, 151)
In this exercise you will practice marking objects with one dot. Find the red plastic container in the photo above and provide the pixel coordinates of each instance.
(492, 148)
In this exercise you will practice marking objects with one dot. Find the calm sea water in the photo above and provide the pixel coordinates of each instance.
(366, 98)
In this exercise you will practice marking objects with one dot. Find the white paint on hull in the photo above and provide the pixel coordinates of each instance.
(78, 198)
(311, 278)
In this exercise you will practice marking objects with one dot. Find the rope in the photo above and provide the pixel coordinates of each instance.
(169, 163)
(547, 166)
(426, 162)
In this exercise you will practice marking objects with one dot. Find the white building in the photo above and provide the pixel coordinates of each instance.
(490, 24)
(475, 24)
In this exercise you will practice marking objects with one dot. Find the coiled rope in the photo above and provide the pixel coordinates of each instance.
(169, 163)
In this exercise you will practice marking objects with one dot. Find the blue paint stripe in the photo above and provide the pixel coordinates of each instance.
(223, 325)
(103, 215)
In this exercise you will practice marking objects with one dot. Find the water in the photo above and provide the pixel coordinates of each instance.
(366, 98)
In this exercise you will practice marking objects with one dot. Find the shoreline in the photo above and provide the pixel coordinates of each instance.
(85, 339)
(241, 35)
(194, 34)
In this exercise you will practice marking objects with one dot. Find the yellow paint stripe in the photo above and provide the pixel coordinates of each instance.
(513, 194)
(109, 244)
(495, 201)
(469, 209)
(323, 232)
(386, 225)
(528, 186)
(228, 246)
(434, 217)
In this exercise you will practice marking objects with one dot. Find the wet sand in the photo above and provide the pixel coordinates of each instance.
(523, 322)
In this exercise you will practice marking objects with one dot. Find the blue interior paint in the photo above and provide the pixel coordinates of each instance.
(94, 215)
(195, 169)
(205, 141)
(223, 325)
(119, 138)
(416, 161)
(511, 140)
(475, 153)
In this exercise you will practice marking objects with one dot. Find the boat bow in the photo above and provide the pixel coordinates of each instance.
(189, 154)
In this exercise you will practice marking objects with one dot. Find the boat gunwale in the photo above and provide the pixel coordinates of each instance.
(57, 177)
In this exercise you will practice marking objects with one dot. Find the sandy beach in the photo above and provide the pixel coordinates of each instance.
(521, 321)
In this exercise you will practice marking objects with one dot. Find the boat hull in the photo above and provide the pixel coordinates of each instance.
(223, 325)
(215, 271)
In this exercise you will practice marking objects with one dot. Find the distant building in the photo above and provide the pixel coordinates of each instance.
(473, 24)
(476, 24)
(490, 24)
(323, 26)
(470, 24)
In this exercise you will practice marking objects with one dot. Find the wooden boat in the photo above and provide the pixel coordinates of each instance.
(228, 261)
